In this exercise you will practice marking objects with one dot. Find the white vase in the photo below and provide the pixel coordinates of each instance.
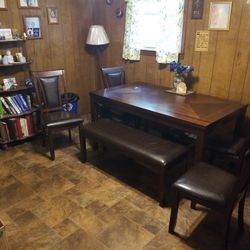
(177, 79)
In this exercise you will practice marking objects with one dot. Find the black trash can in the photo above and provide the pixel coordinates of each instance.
(70, 102)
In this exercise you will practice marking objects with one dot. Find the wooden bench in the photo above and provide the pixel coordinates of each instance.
(153, 152)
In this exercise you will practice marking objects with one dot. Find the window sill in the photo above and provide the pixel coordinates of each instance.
(153, 53)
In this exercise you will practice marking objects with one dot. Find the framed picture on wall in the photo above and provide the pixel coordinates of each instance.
(32, 26)
(219, 15)
(28, 3)
(52, 15)
(3, 5)
(197, 9)
(6, 34)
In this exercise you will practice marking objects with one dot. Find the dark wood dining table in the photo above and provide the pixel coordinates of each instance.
(197, 114)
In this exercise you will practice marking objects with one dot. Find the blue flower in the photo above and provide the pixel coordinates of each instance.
(180, 69)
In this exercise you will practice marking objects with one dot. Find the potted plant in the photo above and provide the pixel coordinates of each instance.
(180, 71)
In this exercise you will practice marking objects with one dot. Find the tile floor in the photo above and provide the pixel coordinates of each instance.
(106, 203)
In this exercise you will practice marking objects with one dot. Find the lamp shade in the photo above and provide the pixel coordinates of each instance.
(97, 36)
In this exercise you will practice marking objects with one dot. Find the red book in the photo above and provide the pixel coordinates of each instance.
(19, 128)
(29, 124)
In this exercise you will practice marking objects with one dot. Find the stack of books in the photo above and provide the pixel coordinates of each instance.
(13, 129)
(15, 104)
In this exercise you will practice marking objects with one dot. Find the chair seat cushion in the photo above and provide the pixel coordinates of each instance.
(226, 146)
(61, 118)
(144, 147)
(207, 184)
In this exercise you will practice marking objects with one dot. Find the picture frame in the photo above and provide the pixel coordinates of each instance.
(6, 34)
(28, 3)
(219, 15)
(9, 82)
(53, 17)
(32, 26)
(197, 9)
(3, 5)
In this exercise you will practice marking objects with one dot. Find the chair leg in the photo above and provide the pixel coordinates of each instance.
(174, 214)
(44, 136)
(82, 145)
(193, 205)
(162, 187)
(227, 224)
(211, 157)
(51, 145)
(241, 212)
(70, 137)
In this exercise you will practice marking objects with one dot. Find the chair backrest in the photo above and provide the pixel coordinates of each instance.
(113, 76)
(244, 158)
(48, 89)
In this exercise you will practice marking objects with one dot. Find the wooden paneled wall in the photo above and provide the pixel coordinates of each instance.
(62, 45)
(223, 71)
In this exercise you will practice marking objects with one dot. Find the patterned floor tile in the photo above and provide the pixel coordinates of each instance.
(125, 235)
(101, 205)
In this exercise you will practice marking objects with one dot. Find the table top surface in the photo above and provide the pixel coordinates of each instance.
(197, 109)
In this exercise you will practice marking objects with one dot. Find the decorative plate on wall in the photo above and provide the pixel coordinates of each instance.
(119, 13)
(109, 2)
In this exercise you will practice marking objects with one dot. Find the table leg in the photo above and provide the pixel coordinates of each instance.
(93, 109)
(199, 147)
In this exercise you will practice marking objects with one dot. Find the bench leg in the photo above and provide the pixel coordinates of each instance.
(162, 188)
(174, 214)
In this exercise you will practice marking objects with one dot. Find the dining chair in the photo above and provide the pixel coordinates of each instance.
(113, 76)
(214, 188)
(53, 119)
(228, 149)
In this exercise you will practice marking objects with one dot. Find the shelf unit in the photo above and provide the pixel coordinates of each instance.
(15, 64)
(18, 115)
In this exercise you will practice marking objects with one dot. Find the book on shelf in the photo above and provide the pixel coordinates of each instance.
(9, 105)
(28, 98)
(25, 104)
(24, 127)
(1, 110)
(14, 105)
(19, 102)
(29, 124)
(4, 132)
(12, 126)
(5, 105)
(19, 128)
(17, 107)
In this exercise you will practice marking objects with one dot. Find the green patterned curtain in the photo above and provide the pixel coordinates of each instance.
(168, 44)
(130, 49)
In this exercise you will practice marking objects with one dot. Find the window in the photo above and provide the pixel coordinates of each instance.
(154, 25)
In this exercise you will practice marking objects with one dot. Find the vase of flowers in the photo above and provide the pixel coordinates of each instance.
(180, 71)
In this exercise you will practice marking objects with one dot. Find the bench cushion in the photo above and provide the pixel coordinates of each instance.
(141, 146)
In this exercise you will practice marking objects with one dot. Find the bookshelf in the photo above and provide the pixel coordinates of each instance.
(18, 114)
